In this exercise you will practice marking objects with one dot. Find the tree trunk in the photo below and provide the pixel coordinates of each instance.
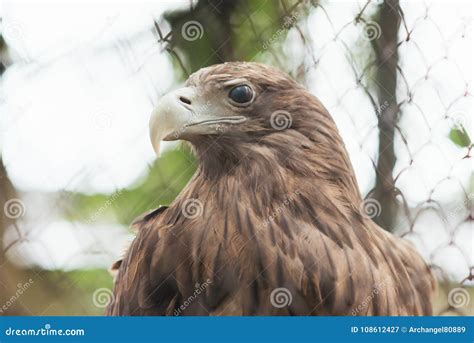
(388, 113)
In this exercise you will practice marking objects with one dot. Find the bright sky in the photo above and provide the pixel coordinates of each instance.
(77, 100)
(77, 114)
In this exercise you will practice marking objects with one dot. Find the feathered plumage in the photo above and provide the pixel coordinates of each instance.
(280, 209)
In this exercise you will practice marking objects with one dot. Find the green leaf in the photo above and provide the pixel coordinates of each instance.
(158, 186)
(460, 137)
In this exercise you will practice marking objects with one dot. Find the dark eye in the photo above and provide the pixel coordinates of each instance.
(241, 94)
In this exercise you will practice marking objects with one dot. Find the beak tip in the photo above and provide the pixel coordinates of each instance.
(172, 136)
(156, 147)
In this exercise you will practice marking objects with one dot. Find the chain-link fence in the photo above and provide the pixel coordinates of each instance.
(395, 77)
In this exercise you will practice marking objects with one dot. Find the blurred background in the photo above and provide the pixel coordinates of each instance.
(78, 81)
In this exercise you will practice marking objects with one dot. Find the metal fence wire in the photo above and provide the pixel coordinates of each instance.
(395, 77)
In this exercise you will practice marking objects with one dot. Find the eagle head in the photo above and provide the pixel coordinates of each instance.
(234, 103)
(255, 116)
(230, 101)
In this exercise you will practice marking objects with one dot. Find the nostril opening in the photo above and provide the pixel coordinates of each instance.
(185, 100)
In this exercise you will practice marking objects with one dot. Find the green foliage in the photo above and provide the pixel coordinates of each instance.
(228, 30)
(256, 26)
(161, 184)
(460, 137)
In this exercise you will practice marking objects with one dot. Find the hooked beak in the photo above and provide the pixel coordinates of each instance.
(178, 116)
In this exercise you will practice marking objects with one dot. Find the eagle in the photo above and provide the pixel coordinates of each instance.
(272, 222)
